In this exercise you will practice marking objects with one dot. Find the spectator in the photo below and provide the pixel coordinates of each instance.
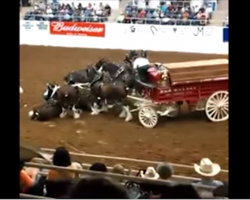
(118, 169)
(164, 170)
(208, 170)
(73, 6)
(95, 7)
(62, 158)
(101, 7)
(97, 188)
(99, 167)
(25, 180)
(89, 7)
(108, 9)
(120, 18)
(142, 14)
(202, 16)
(221, 191)
(185, 18)
(150, 173)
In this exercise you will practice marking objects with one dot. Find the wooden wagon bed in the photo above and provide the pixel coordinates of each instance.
(198, 71)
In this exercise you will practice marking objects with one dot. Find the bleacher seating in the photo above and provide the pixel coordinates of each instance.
(56, 171)
(62, 12)
(178, 12)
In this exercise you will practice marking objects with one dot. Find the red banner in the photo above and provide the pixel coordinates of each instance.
(77, 28)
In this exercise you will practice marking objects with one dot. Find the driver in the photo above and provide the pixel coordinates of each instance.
(142, 66)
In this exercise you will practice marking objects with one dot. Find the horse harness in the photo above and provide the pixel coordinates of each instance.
(119, 71)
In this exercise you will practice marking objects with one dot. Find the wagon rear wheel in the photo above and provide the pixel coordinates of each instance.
(148, 117)
(217, 106)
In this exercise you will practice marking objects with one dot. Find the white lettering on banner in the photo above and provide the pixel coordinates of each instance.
(60, 26)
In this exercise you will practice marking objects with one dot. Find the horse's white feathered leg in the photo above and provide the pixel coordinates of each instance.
(123, 113)
(76, 113)
(63, 113)
(129, 115)
(95, 110)
(104, 107)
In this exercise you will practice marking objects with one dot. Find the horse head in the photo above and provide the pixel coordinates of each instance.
(50, 91)
(101, 63)
(144, 54)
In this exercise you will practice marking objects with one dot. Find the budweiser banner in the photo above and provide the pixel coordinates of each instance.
(77, 28)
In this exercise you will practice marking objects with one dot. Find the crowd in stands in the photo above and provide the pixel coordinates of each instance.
(66, 12)
(58, 183)
(178, 12)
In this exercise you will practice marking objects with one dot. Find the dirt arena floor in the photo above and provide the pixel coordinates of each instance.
(184, 140)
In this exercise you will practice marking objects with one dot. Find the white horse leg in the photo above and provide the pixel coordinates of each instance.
(76, 113)
(95, 110)
(123, 113)
(104, 107)
(129, 115)
(63, 113)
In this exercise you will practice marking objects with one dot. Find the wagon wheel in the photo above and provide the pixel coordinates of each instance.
(217, 106)
(148, 117)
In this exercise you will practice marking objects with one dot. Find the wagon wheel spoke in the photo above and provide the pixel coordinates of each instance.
(225, 110)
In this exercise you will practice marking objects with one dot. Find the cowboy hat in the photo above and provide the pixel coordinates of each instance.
(150, 173)
(207, 168)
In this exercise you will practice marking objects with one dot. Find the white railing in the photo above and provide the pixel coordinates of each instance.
(47, 150)
(28, 196)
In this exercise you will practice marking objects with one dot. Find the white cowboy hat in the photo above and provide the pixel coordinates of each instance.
(207, 168)
(150, 173)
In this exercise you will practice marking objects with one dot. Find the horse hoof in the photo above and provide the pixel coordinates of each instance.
(62, 115)
(122, 114)
(76, 116)
(104, 110)
(94, 113)
(129, 118)
(110, 106)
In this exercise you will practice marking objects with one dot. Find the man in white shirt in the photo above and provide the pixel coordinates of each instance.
(142, 66)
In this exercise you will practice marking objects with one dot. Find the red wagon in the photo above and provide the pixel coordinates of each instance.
(203, 85)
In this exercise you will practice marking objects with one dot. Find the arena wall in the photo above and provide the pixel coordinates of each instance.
(209, 40)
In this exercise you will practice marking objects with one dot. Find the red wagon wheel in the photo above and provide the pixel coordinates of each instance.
(217, 106)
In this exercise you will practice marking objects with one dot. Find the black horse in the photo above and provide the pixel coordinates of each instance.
(112, 91)
(48, 110)
(81, 76)
(69, 97)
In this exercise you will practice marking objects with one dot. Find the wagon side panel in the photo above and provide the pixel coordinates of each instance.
(188, 92)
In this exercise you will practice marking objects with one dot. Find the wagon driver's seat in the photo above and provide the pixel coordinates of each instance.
(142, 77)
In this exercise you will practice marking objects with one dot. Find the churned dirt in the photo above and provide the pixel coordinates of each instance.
(184, 140)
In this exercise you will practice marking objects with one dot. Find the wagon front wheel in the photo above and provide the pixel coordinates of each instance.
(217, 106)
(148, 117)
